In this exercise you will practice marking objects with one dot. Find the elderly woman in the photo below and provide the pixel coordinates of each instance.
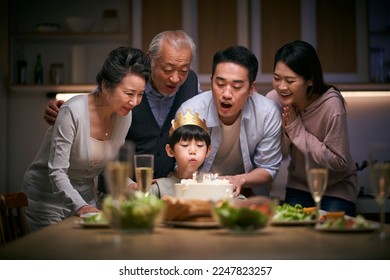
(60, 181)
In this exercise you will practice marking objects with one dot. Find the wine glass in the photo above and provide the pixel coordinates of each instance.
(119, 169)
(379, 165)
(144, 169)
(317, 177)
(117, 174)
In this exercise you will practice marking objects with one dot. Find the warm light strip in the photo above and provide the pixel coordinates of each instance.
(366, 93)
(66, 96)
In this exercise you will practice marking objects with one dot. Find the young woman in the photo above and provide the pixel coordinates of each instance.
(314, 113)
(60, 181)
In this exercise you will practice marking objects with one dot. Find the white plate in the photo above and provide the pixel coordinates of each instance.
(92, 224)
(293, 223)
(189, 224)
(86, 215)
(372, 226)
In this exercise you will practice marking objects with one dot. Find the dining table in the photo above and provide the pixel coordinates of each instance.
(70, 240)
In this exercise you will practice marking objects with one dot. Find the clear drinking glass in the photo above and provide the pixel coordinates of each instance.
(379, 165)
(144, 168)
(117, 172)
(317, 177)
(119, 169)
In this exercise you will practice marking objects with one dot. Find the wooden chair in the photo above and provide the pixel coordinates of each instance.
(12, 217)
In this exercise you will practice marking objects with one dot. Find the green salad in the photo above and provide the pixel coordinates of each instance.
(359, 222)
(242, 218)
(287, 212)
(138, 211)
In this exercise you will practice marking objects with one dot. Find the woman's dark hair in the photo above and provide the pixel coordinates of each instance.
(189, 132)
(239, 55)
(302, 58)
(120, 62)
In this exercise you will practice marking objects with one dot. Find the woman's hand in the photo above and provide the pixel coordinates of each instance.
(87, 209)
(289, 115)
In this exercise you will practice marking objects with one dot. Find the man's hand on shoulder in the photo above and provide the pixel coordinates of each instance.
(51, 111)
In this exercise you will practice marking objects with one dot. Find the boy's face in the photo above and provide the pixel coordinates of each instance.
(189, 154)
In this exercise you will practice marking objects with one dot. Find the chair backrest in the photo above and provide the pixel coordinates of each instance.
(12, 218)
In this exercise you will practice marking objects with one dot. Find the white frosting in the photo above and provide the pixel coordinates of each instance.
(208, 189)
(205, 178)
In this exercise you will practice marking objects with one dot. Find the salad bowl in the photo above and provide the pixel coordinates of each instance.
(139, 213)
(244, 216)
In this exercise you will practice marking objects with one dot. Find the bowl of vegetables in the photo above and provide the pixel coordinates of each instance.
(138, 213)
(244, 216)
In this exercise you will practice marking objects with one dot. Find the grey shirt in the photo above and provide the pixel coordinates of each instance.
(165, 186)
(62, 174)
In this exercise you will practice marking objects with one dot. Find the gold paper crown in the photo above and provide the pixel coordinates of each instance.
(188, 118)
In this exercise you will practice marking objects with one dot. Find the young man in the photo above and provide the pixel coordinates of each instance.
(244, 126)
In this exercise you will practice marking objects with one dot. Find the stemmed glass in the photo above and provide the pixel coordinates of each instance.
(379, 165)
(119, 169)
(144, 168)
(117, 172)
(317, 177)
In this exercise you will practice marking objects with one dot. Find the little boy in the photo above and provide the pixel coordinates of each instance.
(189, 143)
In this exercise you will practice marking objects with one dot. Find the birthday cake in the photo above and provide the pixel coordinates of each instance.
(209, 187)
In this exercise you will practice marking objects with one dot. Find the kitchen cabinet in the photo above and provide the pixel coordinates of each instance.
(339, 34)
(379, 40)
(285, 28)
(81, 54)
(214, 31)
(337, 29)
